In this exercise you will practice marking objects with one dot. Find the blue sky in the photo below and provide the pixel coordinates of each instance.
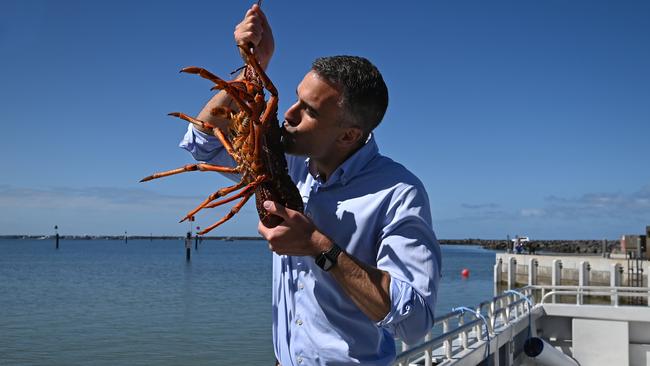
(520, 117)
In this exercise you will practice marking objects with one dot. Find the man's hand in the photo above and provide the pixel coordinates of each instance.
(296, 235)
(254, 30)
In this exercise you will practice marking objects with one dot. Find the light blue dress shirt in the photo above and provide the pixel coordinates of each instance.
(378, 212)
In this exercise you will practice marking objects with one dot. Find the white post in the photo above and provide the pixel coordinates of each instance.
(479, 327)
(556, 275)
(583, 279)
(462, 337)
(428, 357)
(498, 276)
(447, 342)
(615, 281)
(532, 271)
(512, 273)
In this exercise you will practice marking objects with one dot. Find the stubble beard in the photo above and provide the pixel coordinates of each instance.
(288, 142)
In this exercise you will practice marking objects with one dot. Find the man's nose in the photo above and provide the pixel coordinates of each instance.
(290, 116)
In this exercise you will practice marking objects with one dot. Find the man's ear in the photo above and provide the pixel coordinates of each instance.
(351, 136)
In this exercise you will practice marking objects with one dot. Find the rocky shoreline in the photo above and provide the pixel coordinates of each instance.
(556, 246)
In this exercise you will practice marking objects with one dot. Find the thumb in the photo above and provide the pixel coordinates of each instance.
(277, 209)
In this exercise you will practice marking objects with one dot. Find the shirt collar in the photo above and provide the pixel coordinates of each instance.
(353, 165)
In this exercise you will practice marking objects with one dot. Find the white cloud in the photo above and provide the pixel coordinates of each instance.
(480, 206)
(532, 212)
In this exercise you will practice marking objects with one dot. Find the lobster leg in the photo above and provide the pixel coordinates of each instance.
(230, 214)
(249, 188)
(220, 193)
(217, 132)
(254, 140)
(271, 105)
(246, 86)
(194, 121)
(190, 168)
(221, 84)
(251, 60)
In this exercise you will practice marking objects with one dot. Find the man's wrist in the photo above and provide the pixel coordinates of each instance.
(329, 259)
(321, 243)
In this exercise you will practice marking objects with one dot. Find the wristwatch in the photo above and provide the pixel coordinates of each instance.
(327, 260)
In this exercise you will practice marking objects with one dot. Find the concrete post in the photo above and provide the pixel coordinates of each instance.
(583, 278)
(497, 276)
(556, 275)
(512, 273)
(615, 274)
(583, 273)
(532, 271)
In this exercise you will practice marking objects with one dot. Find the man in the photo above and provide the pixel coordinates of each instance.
(362, 264)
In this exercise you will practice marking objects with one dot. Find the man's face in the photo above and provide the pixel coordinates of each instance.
(311, 124)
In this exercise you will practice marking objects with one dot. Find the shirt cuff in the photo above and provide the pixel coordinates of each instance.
(202, 146)
(401, 299)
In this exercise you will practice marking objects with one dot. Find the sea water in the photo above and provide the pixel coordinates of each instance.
(141, 303)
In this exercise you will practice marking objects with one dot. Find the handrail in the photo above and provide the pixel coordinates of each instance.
(506, 308)
(499, 306)
(613, 292)
(437, 341)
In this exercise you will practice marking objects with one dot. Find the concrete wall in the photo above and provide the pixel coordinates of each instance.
(599, 275)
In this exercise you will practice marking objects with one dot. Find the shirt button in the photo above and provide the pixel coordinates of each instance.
(299, 322)
(299, 359)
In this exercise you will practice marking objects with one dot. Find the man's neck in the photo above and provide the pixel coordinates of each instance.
(323, 168)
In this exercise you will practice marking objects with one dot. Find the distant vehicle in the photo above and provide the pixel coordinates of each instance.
(518, 243)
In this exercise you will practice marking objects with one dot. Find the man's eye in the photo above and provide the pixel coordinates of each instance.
(311, 112)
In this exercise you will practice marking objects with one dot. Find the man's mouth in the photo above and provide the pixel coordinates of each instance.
(286, 133)
(287, 129)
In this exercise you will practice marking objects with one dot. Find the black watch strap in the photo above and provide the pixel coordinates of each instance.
(327, 260)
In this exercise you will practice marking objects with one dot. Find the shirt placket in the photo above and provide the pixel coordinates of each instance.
(300, 350)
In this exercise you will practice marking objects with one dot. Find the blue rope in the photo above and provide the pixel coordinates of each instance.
(462, 310)
(530, 306)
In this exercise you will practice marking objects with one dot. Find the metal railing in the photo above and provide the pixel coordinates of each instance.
(580, 292)
(500, 312)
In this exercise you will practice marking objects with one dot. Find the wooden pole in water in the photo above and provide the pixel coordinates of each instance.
(188, 246)
(196, 238)
(126, 238)
(56, 230)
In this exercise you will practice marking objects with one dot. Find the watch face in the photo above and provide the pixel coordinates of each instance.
(327, 264)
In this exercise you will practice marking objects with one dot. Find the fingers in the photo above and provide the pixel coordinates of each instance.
(265, 232)
(273, 237)
(251, 28)
(277, 209)
(261, 14)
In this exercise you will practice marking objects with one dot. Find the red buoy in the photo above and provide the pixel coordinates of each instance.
(464, 273)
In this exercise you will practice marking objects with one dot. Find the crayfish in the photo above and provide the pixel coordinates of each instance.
(253, 140)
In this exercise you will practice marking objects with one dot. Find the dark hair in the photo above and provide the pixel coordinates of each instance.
(365, 95)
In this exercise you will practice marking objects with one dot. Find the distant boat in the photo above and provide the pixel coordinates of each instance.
(42, 238)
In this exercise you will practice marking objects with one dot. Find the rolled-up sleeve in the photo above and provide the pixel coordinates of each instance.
(410, 253)
(204, 147)
(207, 149)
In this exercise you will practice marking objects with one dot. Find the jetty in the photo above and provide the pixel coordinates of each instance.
(516, 270)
